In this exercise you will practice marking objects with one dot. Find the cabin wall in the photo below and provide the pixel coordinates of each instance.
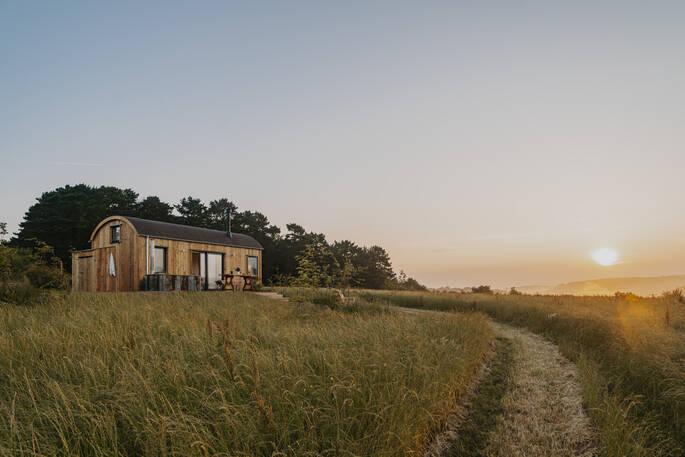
(97, 277)
(179, 256)
(90, 268)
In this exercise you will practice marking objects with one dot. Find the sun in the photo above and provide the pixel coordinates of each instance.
(605, 256)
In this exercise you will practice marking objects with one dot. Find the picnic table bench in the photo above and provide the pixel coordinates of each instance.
(248, 281)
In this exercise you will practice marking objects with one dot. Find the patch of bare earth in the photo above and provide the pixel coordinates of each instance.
(543, 411)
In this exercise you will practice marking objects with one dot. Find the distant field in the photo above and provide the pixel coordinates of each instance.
(630, 352)
(227, 374)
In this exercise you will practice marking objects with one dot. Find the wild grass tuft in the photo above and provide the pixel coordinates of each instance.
(630, 357)
(208, 374)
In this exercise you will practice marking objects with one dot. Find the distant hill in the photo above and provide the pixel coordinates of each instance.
(608, 286)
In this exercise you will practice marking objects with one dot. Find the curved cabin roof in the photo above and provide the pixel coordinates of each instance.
(167, 230)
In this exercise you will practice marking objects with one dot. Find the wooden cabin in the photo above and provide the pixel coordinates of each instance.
(129, 254)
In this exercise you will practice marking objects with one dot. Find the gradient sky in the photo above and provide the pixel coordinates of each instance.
(479, 142)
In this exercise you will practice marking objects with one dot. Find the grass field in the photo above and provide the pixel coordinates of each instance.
(227, 374)
(630, 353)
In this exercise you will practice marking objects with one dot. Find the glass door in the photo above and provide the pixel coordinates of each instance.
(211, 270)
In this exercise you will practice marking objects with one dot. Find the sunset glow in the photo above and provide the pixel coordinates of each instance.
(477, 145)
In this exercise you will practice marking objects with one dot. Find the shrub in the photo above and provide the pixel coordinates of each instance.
(481, 290)
(404, 282)
(26, 274)
(279, 280)
(20, 293)
(45, 277)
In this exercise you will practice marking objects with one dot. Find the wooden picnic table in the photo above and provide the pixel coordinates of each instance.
(248, 281)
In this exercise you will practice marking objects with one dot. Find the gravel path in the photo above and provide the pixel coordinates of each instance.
(543, 412)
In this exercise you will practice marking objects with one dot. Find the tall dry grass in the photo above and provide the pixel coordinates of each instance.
(227, 374)
(630, 352)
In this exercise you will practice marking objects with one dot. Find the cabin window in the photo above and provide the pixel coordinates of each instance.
(252, 265)
(116, 233)
(159, 260)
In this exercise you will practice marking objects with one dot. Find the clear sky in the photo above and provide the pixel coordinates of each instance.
(479, 142)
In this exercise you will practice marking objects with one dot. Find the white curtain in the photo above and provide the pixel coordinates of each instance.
(112, 266)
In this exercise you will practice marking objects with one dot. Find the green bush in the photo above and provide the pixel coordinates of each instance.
(27, 274)
(45, 277)
(20, 293)
(279, 280)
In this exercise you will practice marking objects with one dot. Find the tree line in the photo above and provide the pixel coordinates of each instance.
(64, 218)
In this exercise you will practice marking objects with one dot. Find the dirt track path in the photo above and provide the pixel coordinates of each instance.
(543, 411)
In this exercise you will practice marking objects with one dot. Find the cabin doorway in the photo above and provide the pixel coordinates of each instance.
(209, 266)
(86, 276)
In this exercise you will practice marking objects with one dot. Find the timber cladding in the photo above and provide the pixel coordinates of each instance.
(122, 253)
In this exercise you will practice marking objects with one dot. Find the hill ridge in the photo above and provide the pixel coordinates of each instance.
(639, 285)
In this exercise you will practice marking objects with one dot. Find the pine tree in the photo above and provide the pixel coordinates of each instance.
(308, 272)
(193, 212)
(317, 266)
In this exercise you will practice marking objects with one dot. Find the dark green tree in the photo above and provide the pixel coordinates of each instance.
(155, 209)
(351, 255)
(193, 212)
(378, 273)
(404, 282)
(65, 217)
(308, 272)
(348, 273)
(317, 266)
(257, 225)
(413, 284)
(217, 213)
(287, 248)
